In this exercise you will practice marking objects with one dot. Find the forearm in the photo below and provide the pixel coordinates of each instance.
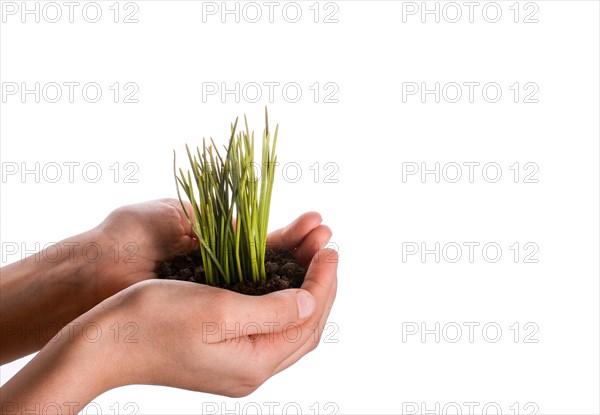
(67, 373)
(41, 294)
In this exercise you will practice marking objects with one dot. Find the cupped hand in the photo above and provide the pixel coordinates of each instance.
(177, 333)
(207, 339)
(135, 239)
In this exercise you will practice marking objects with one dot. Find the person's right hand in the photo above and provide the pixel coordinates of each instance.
(213, 340)
(206, 339)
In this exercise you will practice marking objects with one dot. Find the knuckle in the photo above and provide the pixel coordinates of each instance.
(241, 392)
(313, 343)
(260, 377)
(254, 378)
(280, 306)
(141, 291)
(275, 307)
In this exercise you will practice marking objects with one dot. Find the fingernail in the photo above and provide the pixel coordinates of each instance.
(306, 303)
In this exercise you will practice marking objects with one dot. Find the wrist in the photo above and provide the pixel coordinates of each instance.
(77, 269)
(41, 294)
(76, 366)
(94, 342)
(94, 266)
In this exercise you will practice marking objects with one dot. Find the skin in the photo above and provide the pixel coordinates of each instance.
(115, 330)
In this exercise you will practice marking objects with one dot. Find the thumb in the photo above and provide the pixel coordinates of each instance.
(244, 315)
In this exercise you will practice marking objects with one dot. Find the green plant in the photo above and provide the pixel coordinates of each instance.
(231, 208)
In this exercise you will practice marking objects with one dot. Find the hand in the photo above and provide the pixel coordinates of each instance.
(189, 335)
(212, 340)
(137, 238)
(230, 343)
(149, 233)
(40, 295)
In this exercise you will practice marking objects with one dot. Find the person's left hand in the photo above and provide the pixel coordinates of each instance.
(136, 238)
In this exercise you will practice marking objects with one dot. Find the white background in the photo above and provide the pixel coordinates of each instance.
(368, 362)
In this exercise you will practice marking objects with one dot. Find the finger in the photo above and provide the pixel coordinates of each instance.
(320, 277)
(315, 328)
(189, 240)
(188, 244)
(313, 341)
(292, 235)
(234, 315)
(187, 227)
(312, 243)
(319, 281)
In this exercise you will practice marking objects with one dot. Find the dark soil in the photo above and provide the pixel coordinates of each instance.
(282, 272)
